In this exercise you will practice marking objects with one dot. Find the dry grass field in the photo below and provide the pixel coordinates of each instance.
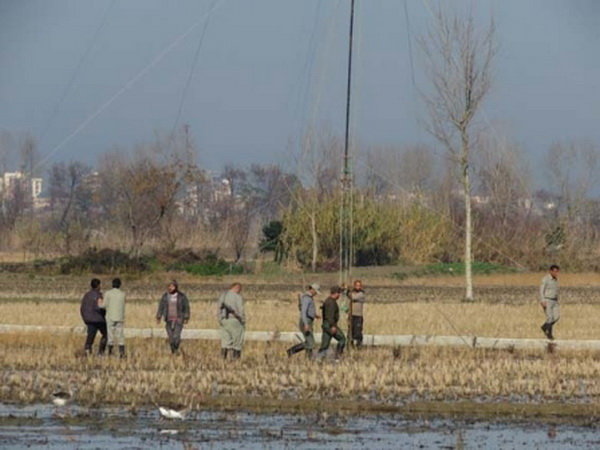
(34, 364)
(503, 309)
(579, 321)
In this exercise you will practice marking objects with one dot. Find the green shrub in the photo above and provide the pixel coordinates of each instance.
(208, 264)
(103, 261)
(455, 268)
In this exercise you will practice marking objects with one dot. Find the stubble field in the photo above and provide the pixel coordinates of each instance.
(34, 364)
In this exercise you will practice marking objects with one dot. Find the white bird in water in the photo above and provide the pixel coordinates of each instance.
(178, 412)
(173, 413)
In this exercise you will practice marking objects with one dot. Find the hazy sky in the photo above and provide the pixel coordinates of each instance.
(84, 76)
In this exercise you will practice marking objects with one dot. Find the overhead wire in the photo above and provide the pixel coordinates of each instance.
(304, 82)
(67, 89)
(192, 68)
(131, 82)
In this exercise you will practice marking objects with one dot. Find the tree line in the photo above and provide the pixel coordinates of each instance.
(408, 206)
(470, 196)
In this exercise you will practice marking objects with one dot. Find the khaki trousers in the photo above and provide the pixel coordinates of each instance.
(309, 337)
(552, 311)
(232, 334)
(115, 333)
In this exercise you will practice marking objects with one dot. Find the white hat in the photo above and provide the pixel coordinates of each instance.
(315, 286)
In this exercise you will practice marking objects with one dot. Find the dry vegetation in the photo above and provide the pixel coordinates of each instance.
(32, 365)
(35, 364)
(507, 306)
(579, 321)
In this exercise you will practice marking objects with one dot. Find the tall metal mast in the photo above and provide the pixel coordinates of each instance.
(346, 182)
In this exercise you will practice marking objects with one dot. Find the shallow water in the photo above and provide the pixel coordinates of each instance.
(42, 426)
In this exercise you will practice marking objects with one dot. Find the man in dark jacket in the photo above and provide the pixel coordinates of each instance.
(174, 308)
(331, 317)
(93, 317)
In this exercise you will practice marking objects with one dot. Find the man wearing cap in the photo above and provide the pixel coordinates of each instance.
(230, 312)
(331, 317)
(308, 314)
(549, 300)
(174, 308)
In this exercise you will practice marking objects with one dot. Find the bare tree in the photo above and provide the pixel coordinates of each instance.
(29, 156)
(141, 192)
(408, 170)
(70, 201)
(503, 178)
(572, 169)
(318, 167)
(459, 64)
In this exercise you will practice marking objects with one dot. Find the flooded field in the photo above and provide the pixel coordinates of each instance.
(41, 426)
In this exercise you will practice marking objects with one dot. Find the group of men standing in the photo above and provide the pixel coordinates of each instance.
(330, 319)
(104, 313)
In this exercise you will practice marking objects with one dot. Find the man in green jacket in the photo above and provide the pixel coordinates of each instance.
(174, 308)
(114, 305)
(331, 317)
(232, 319)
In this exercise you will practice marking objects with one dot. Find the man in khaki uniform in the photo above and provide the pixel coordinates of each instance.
(114, 304)
(549, 300)
(357, 297)
(230, 312)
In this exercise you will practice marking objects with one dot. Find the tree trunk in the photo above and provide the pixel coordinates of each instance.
(315, 242)
(468, 226)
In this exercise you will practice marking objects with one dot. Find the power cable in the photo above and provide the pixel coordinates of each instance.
(192, 68)
(124, 88)
(70, 83)
(303, 82)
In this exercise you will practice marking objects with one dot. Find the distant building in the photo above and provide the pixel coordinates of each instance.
(12, 183)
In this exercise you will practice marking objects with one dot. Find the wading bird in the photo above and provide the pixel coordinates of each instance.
(173, 413)
(61, 398)
(178, 412)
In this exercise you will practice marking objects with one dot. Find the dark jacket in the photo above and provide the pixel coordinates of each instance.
(90, 312)
(331, 312)
(183, 307)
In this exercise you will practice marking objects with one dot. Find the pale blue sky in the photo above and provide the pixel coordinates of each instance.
(267, 69)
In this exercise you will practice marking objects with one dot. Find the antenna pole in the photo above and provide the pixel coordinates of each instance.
(346, 182)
